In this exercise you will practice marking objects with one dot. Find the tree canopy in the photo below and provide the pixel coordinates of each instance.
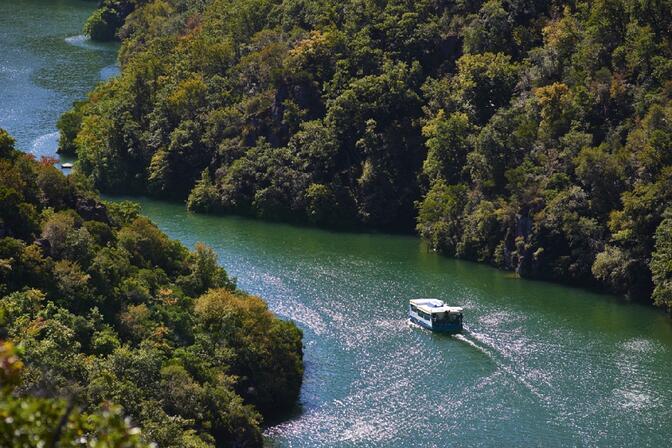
(121, 337)
(531, 135)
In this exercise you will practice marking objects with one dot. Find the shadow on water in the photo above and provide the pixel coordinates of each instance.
(282, 417)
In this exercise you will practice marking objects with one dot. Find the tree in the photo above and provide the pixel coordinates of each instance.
(56, 231)
(661, 263)
(204, 197)
(32, 421)
(484, 83)
(440, 216)
(531, 134)
(490, 30)
(270, 351)
(6, 144)
(602, 174)
(69, 125)
(103, 311)
(447, 146)
(149, 247)
(557, 110)
(103, 24)
(205, 272)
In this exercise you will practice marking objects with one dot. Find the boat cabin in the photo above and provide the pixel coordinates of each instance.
(435, 315)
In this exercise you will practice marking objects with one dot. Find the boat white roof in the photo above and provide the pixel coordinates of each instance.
(431, 306)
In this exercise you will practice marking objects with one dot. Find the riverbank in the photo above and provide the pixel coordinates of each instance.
(540, 363)
(509, 154)
(44, 71)
(588, 286)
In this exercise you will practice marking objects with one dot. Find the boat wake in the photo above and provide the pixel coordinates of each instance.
(412, 324)
(486, 345)
(78, 41)
(473, 343)
(477, 341)
(85, 42)
(45, 145)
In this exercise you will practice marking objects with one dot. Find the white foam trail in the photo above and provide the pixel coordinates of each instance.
(475, 340)
(413, 324)
(501, 365)
(462, 338)
(45, 144)
(85, 42)
(77, 40)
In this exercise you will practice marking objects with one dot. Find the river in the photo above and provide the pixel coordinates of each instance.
(45, 65)
(539, 364)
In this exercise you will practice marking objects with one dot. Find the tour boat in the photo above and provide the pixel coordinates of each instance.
(435, 315)
(66, 166)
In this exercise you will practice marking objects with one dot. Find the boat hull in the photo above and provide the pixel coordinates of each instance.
(450, 328)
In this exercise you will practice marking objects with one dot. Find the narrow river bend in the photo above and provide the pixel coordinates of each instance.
(539, 364)
(45, 65)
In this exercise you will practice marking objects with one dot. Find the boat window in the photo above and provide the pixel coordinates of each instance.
(414, 308)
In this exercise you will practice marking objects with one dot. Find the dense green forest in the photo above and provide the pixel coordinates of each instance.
(110, 319)
(108, 18)
(532, 135)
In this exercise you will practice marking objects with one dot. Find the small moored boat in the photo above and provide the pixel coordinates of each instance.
(66, 166)
(435, 315)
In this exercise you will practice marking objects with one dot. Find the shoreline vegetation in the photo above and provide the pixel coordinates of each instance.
(533, 136)
(109, 325)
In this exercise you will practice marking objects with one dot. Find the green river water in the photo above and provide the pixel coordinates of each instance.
(46, 64)
(538, 365)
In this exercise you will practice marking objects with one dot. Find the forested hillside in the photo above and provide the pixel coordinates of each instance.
(532, 135)
(108, 318)
(108, 18)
